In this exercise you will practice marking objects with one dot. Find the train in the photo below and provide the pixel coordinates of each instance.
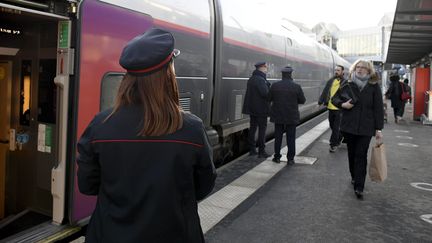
(59, 67)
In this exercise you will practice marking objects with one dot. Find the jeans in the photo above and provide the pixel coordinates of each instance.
(335, 121)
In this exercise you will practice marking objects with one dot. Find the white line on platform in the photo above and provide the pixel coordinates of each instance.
(422, 186)
(405, 137)
(410, 145)
(427, 218)
(214, 208)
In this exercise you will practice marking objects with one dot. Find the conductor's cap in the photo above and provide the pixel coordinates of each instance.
(260, 64)
(287, 69)
(148, 52)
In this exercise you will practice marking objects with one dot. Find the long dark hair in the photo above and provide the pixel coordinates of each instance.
(157, 94)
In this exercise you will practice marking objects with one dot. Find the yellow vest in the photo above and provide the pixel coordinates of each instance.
(335, 86)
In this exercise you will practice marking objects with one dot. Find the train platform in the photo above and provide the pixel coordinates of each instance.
(257, 200)
(313, 200)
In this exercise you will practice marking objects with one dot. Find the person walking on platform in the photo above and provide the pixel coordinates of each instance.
(394, 94)
(361, 102)
(405, 86)
(146, 160)
(285, 96)
(334, 114)
(256, 105)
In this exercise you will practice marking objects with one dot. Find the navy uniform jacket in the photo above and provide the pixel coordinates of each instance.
(256, 97)
(147, 187)
(367, 114)
(285, 96)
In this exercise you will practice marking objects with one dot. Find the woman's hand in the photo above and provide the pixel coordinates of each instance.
(347, 105)
(378, 136)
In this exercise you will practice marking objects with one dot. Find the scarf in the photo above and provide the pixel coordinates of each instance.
(360, 81)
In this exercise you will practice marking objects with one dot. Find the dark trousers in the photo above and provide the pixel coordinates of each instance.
(259, 122)
(334, 118)
(290, 135)
(357, 157)
(399, 110)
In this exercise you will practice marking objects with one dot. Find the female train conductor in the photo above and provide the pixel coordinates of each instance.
(146, 160)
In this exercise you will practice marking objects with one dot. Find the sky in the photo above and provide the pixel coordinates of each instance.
(346, 14)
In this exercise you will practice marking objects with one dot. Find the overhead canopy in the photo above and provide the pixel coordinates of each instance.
(411, 35)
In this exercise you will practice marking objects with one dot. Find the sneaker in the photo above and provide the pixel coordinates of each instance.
(290, 162)
(276, 160)
(263, 155)
(332, 149)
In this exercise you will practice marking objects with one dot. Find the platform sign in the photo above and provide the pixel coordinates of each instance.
(64, 34)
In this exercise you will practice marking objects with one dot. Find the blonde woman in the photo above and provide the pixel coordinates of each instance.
(361, 102)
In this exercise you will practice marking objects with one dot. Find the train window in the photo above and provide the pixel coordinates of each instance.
(25, 91)
(109, 87)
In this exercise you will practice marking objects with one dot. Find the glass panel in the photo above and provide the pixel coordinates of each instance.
(47, 91)
(25, 91)
(110, 85)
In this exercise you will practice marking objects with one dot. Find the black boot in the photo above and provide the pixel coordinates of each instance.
(358, 194)
(263, 154)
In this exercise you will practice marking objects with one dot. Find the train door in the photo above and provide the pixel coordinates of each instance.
(28, 119)
(5, 83)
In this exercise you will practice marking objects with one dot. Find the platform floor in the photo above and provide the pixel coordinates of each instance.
(316, 203)
(256, 200)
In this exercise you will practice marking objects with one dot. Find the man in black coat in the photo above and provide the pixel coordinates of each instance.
(285, 96)
(256, 105)
(334, 114)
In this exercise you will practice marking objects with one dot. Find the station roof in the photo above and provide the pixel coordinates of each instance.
(411, 35)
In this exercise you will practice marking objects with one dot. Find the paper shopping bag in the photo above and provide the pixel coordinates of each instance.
(378, 163)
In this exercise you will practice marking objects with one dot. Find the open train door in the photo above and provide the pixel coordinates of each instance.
(5, 83)
(31, 117)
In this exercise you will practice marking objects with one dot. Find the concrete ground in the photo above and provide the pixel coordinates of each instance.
(316, 203)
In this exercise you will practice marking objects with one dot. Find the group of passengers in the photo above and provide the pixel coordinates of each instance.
(355, 110)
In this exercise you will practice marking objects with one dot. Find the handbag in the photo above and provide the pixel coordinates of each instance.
(345, 94)
(405, 95)
(378, 163)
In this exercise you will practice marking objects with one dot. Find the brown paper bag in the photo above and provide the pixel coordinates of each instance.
(378, 163)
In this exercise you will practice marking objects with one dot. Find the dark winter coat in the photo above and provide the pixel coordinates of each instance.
(325, 95)
(256, 97)
(285, 96)
(394, 94)
(367, 115)
(147, 187)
